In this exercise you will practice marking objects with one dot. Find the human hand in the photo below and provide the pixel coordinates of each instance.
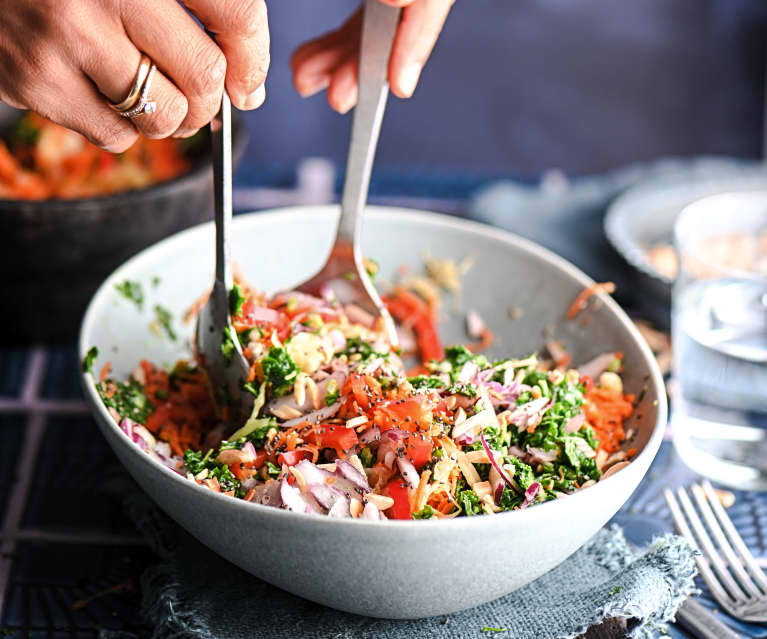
(67, 59)
(330, 61)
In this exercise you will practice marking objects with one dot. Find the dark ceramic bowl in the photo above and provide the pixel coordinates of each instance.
(55, 253)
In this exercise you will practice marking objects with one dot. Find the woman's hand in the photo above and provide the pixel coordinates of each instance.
(330, 62)
(66, 59)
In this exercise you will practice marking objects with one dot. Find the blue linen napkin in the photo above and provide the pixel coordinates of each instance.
(605, 586)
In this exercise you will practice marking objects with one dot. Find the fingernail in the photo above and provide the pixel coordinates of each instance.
(314, 85)
(408, 79)
(255, 99)
(348, 102)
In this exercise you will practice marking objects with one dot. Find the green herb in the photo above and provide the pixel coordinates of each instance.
(371, 268)
(468, 500)
(358, 346)
(279, 370)
(426, 381)
(332, 392)
(89, 359)
(128, 399)
(615, 590)
(132, 291)
(272, 470)
(492, 629)
(227, 346)
(165, 319)
(236, 300)
(459, 388)
(155, 281)
(366, 457)
(251, 388)
(427, 512)
(195, 462)
(458, 355)
(523, 474)
(254, 426)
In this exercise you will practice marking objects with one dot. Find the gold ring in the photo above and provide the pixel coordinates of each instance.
(135, 91)
(143, 104)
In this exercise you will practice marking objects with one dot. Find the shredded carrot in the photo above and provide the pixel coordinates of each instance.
(579, 303)
(485, 342)
(605, 411)
(105, 371)
(410, 310)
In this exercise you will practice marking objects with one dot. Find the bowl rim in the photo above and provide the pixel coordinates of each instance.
(540, 511)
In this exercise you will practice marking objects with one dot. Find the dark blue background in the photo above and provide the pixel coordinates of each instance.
(520, 86)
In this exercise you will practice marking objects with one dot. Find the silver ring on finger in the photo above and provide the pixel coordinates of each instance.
(143, 104)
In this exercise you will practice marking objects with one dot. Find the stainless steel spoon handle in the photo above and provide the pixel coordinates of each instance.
(378, 28)
(221, 143)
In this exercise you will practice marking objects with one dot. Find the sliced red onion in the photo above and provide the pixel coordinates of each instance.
(143, 437)
(351, 474)
(162, 449)
(371, 512)
(516, 451)
(389, 458)
(340, 508)
(292, 498)
(315, 417)
(466, 439)
(574, 424)
(312, 473)
(541, 456)
(263, 314)
(126, 425)
(338, 339)
(596, 366)
(584, 447)
(408, 472)
(372, 434)
(327, 293)
(504, 475)
(498, 492)
(530, 494)
(325, 494)
(526, 414)
(475, 326)
(396, 434)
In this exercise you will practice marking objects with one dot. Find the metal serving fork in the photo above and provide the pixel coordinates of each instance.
(745, 595)
(344, 272)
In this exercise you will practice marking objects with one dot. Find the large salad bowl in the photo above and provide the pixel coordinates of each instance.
(391, 569)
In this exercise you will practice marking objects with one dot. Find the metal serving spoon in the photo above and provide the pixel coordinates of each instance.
(217, 345)
(218, 348)
(344, 273)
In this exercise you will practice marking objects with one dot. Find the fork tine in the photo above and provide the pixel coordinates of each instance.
(708, 548)
(703, 566)
(716, 530)
(735, 538)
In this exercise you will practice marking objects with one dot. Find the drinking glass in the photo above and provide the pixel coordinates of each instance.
(719, 337)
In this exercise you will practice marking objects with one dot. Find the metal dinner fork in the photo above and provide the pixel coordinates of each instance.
(727, 566)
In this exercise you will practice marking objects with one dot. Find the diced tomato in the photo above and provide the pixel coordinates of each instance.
(397, 490)
(292, 457)
(246, 471)
(418, 449)
(363, 389)
(338, 437)
(160, 417)
(409, 413)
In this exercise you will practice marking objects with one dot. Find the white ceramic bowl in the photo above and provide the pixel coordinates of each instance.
(394, 569)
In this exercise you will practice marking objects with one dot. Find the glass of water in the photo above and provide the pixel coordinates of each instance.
(719, 336)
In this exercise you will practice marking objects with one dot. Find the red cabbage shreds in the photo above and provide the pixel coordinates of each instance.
(372, 434)
(340, 509)
(530, 494)
(504, 475)
(596, 366)
(325, 494)
(348, 472)
(574, 424)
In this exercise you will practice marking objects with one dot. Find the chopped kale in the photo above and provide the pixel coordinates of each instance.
(366, 457)
(132, 291)
(459, 388)
(165, 319)
(127, 398)
(227, 346)
(236, 300)
(195, 461)
(89, 359)
(427, 512)
(155, 281)
(523, 474)
(426, 381)
(467, 499)
(280, 370)
(272, 470)
(615, 590)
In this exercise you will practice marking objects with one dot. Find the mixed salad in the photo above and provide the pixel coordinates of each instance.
(340, 428)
